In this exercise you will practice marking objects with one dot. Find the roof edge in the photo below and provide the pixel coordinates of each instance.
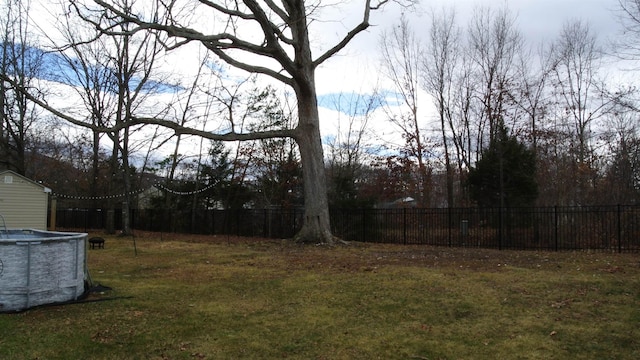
(13, 173)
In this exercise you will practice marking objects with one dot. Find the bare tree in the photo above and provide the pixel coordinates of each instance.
(583, 98)
(86, 66)
(460, 123)
(348, 148)
(532, 95)
(494, 44)
(185, 110)
(112, 76)
(440, 65)
(281, 49)
(22, 64)
(623, 170)
(578, 61)
(534, 114)
(401, 53)
(628, 45)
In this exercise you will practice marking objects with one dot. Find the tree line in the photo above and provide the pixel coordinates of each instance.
(517, 124)
(485, 118)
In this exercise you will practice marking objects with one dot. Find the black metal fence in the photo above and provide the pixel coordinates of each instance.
(268, 223)
(601, 228)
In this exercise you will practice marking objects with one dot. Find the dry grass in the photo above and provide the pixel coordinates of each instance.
(189, 297)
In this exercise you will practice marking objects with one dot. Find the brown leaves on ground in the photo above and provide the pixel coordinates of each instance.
(358, 256)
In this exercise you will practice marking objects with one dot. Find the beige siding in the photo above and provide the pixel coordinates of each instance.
(23, 203)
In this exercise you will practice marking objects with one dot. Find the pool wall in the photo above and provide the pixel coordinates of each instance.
(40, 267)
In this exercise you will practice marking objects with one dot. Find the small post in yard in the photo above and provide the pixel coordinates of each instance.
(464, 227)
(54, 210)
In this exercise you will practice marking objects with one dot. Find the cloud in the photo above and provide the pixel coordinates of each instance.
(53, 66)
(351, 103)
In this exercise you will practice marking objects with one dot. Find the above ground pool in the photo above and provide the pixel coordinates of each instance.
(40, 267)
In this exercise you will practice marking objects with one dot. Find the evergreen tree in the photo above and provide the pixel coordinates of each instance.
(505, 174)
(226, 189)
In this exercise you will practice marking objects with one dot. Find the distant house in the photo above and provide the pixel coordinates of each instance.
(404, 202)
(23, 202)
(145, 197)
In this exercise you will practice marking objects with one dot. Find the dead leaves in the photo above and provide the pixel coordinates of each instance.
(562, 303)
(185, 346)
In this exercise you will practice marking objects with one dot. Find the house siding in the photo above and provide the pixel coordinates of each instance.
(23, 203)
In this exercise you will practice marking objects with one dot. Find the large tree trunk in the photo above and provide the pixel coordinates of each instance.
(317, 226)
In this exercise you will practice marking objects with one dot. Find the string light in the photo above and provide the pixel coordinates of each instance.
(184, 193)
(134, 192)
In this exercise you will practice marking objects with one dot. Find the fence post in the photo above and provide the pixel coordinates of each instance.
(450, 220)
(619, 230)
(501, 229)
(237, 214)
(294, 221)
(364, 226)
(404, 226)
(555, 222)
(264, 224)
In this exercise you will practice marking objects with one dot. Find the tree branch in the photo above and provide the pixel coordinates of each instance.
(248, 67)
(364, 24)
(227, 11)
(219, 43)
(230, 136)
(285, 18)
(43, 104)
(177, 128)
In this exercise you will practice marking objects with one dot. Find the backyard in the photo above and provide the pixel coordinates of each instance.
(207, 297)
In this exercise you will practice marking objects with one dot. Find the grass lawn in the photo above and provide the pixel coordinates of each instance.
(193, 297)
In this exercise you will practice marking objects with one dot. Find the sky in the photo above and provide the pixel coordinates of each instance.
(355, 70)
(538, 21)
